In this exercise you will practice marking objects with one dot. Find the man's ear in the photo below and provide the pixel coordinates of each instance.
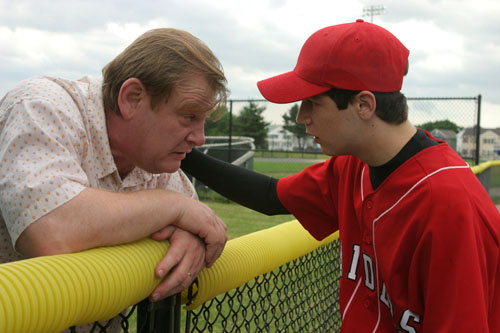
(132, 94)
(367, 104)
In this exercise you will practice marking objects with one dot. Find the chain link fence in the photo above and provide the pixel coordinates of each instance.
(301, 296)
(464, 112)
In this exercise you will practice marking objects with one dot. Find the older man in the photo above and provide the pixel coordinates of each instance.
(95, 162)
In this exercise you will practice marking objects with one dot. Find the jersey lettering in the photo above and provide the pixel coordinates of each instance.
(352, 275)
(384, 298)
(368, 264)
(369, 276)
(406, 320)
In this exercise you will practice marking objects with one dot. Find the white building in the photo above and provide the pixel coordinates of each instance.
(489, 143)
(279, 139)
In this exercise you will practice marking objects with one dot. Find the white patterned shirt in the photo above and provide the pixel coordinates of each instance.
(54, 144)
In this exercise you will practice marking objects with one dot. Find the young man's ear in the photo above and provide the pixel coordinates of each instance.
(132, 94)
(367, 104)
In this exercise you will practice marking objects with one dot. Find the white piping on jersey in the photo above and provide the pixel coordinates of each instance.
(362, 187)
(376, 270)
(378, 218)
(350, 299)
(415, 185)
(359, 282)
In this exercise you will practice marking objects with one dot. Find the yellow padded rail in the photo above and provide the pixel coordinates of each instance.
(476, 169)
(255, 254)
(49, 294)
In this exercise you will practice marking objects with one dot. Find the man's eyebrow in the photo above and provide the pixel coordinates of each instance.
(196, 106)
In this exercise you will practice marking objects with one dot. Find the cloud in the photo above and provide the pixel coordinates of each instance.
(454, 44)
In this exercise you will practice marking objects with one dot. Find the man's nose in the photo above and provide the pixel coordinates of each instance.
(197, 136)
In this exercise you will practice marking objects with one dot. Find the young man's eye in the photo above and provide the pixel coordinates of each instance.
(312, 103)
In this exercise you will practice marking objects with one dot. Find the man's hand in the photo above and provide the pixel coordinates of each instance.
(183, 262)
(201, 220)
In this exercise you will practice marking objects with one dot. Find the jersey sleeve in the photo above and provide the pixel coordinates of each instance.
(310, 196)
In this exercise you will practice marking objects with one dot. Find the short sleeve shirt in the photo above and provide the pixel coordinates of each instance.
(53, 145)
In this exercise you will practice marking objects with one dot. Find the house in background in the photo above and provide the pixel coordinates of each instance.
(446, 135)
(279, 139)
(489, 143)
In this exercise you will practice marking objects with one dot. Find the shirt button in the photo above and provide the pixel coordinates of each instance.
(369, 204)
(367, 238)
(367, 303)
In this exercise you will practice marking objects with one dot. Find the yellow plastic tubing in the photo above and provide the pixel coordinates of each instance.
(49, 294)
(255, 254)
(476, 169)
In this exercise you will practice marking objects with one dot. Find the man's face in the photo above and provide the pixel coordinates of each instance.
(333, 129)
(166, 134)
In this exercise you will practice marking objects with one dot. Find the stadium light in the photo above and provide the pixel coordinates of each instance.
(373, 10)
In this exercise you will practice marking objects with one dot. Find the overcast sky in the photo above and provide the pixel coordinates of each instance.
(454, 45)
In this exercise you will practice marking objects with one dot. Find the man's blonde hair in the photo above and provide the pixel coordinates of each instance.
(161, 58)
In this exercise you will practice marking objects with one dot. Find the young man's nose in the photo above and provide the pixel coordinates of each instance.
(303, 114)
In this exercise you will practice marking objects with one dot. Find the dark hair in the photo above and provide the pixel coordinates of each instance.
(391, 106)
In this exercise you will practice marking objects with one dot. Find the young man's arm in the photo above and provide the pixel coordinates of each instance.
(97, 218)
(248, 188)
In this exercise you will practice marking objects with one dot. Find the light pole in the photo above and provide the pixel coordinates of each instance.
(373, 10)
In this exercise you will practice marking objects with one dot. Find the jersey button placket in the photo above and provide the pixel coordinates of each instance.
(367, 237)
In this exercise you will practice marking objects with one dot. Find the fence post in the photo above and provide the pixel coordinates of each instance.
(161, 316)
(230, 141)
(478, 133)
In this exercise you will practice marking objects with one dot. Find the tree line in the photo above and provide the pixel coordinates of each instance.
(250, 122)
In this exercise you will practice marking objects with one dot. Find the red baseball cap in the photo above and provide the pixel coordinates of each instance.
(352, 56)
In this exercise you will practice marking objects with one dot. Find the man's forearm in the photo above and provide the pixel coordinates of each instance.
(101, 218)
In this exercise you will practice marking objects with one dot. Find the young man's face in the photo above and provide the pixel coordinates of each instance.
(333, 129)
(166, 134)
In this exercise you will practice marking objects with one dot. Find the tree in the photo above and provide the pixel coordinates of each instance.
(440, 124)
(220, 125)
(298, 130)
(250, 122)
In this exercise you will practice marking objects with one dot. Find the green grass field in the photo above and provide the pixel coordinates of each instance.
(241, 220)
(495, 177)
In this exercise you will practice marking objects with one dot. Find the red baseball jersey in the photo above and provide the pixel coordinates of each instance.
(419, 254)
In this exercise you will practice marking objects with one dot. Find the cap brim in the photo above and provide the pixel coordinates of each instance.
(288, 88)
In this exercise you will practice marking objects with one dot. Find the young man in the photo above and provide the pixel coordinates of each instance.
(420, 236)
(95, 162)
